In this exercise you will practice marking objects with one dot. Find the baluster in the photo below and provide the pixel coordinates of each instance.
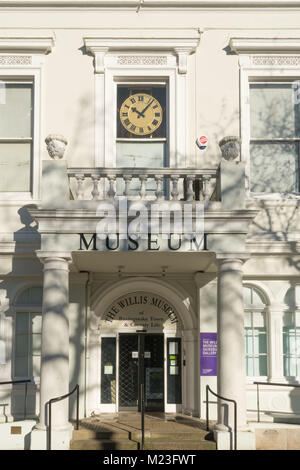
(111, 190)
(206, 187)
(174, 192)
(159, 191)
(190, 194)
(143, 179)
(127, 179)
(95, 191)
(80, 181)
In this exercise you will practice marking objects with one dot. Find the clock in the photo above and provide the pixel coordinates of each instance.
(141, 114)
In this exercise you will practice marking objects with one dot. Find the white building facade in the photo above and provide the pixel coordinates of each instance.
(113, 117)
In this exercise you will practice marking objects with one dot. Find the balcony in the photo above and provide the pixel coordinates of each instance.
(77, 204)
(147, 184)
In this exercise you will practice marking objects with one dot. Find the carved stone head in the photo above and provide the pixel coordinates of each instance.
(56, 145)
(230, 147)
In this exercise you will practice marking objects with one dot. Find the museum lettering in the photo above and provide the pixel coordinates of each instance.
(153, 242)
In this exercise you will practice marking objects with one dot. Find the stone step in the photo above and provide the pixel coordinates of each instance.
(103, 444)
(180, 445)
(82, 434)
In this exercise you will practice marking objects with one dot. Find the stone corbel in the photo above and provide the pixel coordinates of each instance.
(182, 54)
(99, 53)
(99, 60)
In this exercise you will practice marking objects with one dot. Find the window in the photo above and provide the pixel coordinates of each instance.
(291, 344)
(146, 62)
(255, 333)
(141, 130)
(269, 70)
(21, 68)
(274, 138)
(16, 135)
(28, 327)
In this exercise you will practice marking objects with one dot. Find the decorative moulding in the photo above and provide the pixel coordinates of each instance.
(26, 45)
(15, 59)
(153, 4)
(142, 42)
(264, 45)
(276, 60)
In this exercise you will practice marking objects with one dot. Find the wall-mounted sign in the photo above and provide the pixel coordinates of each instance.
(202, 142)
(208, 354)
(140, 309)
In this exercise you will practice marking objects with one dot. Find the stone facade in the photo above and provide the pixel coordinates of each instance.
(204, 58)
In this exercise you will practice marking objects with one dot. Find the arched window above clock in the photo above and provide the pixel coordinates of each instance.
(141, 86)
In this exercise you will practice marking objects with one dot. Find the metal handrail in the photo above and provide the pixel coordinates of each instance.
(54, 400)
(208, 389)
(20, 382)
(143, 416)
(269, 383)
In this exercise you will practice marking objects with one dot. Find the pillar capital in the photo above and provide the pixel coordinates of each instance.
(55, 259)
(231, 261)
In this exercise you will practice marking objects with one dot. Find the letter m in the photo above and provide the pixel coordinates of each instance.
(86, 244)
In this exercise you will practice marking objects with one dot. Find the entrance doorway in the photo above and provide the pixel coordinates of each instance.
(133, 371)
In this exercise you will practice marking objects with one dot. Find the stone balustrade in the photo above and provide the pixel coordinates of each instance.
(144, 183)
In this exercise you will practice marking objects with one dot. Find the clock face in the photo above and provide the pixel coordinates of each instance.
(141, 114)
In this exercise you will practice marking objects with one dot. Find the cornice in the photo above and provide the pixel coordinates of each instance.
(40, 45)
(144, 40)
(137, 5)
(264, 45)
(180, 42)
(80, 221)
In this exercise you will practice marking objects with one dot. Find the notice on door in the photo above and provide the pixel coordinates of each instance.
(208, 354)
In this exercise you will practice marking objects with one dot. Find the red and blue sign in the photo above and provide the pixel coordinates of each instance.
(202, 142)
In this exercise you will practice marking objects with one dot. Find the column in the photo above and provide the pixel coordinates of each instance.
(189, 348)
(231, 347)
(55, 341)
(275, 314)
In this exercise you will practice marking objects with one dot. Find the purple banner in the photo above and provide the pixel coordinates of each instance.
(208, 353)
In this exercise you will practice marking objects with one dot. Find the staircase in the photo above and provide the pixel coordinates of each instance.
(123, 432)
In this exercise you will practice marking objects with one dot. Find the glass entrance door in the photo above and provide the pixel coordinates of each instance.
(130, 371)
